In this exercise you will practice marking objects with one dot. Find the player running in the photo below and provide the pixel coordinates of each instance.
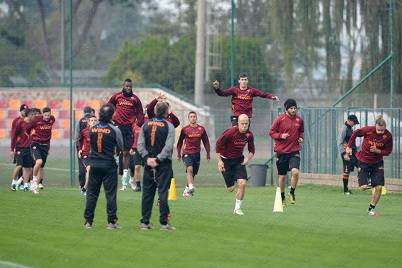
(242, 97)
(128, 110)
(377, 143)
(231, 162)
(288, 132)
(191, 135)
(21, 147)
(17, 173)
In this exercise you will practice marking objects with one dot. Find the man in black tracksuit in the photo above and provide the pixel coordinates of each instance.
(82, 124)
(104, 139)
(155, 144)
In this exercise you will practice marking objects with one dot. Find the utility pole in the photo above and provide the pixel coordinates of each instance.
(200, 54)
(62, 50)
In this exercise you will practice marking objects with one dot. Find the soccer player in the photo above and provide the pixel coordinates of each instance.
(17, 173)
(242, 97)
(84, 148)
(41, 135)
(191, 135)
(288, 132)
(343, 139)
(377, 143)
(231, 162)
(20, 146)
(128, 110)
(155, 144)
(104, 138)
(82, 124)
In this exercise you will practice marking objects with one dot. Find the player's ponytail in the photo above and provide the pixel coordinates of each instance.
(380, 121)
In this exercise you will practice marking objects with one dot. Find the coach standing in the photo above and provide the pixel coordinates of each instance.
(128, 110)
(155, 145)
(104, 139)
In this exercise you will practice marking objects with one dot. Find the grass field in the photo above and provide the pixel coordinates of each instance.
(324, 229)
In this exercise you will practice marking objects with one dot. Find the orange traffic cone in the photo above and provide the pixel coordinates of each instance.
(172, 190)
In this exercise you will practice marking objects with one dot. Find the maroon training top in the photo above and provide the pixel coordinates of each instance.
(84, 142)
(192, 137)
(371, 138)
(172, 118)
(128, 110)
(242, 100)
(42, 130)
(294, 126)
(231, 143)
(21, 137)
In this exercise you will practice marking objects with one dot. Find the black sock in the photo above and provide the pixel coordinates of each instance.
(138, 183)
(345, 185)
(283, 196)
(371, 207)
(292, 190)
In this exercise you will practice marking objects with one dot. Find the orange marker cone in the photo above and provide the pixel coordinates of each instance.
(172, 190)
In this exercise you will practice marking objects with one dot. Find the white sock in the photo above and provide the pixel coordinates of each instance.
(20, 180)
(13, 182)
(26, 185)
(125, 172)
(190, 186)
(131, 179)
(238, 203)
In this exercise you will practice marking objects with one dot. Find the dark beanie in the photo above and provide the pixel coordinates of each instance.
(290, 103)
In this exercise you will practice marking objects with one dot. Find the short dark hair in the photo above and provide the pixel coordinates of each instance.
(87, 110)
(192, 112)
(106, 113)
(37, 110)
(128, 80)
(242, 75)
(161, 109)
(30, 111)
(46, 110)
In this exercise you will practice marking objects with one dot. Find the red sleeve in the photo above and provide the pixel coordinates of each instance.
(80, 142)
(180, 142)
(14, 133)
(140, 112)
(151, 107)
(357, 133)
(223, 140)
(387, 147)
(250, 144)
(262, 94)
(274, 131)
(301, 128)
(224, 93)
(172, 118)
(205, 141)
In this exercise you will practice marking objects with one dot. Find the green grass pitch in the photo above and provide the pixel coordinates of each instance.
(324, 229)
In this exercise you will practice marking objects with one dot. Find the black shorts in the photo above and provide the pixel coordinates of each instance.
(85, 160)
(24, 157)
(135, 160)
(349, 166)
(192, 160)
(40, 151)
(234, 170)
(375, 172)
(286, 162)
(127, 133)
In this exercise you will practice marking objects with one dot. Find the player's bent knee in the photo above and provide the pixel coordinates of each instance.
(230, 189)
(38, 161)
(295, 172)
